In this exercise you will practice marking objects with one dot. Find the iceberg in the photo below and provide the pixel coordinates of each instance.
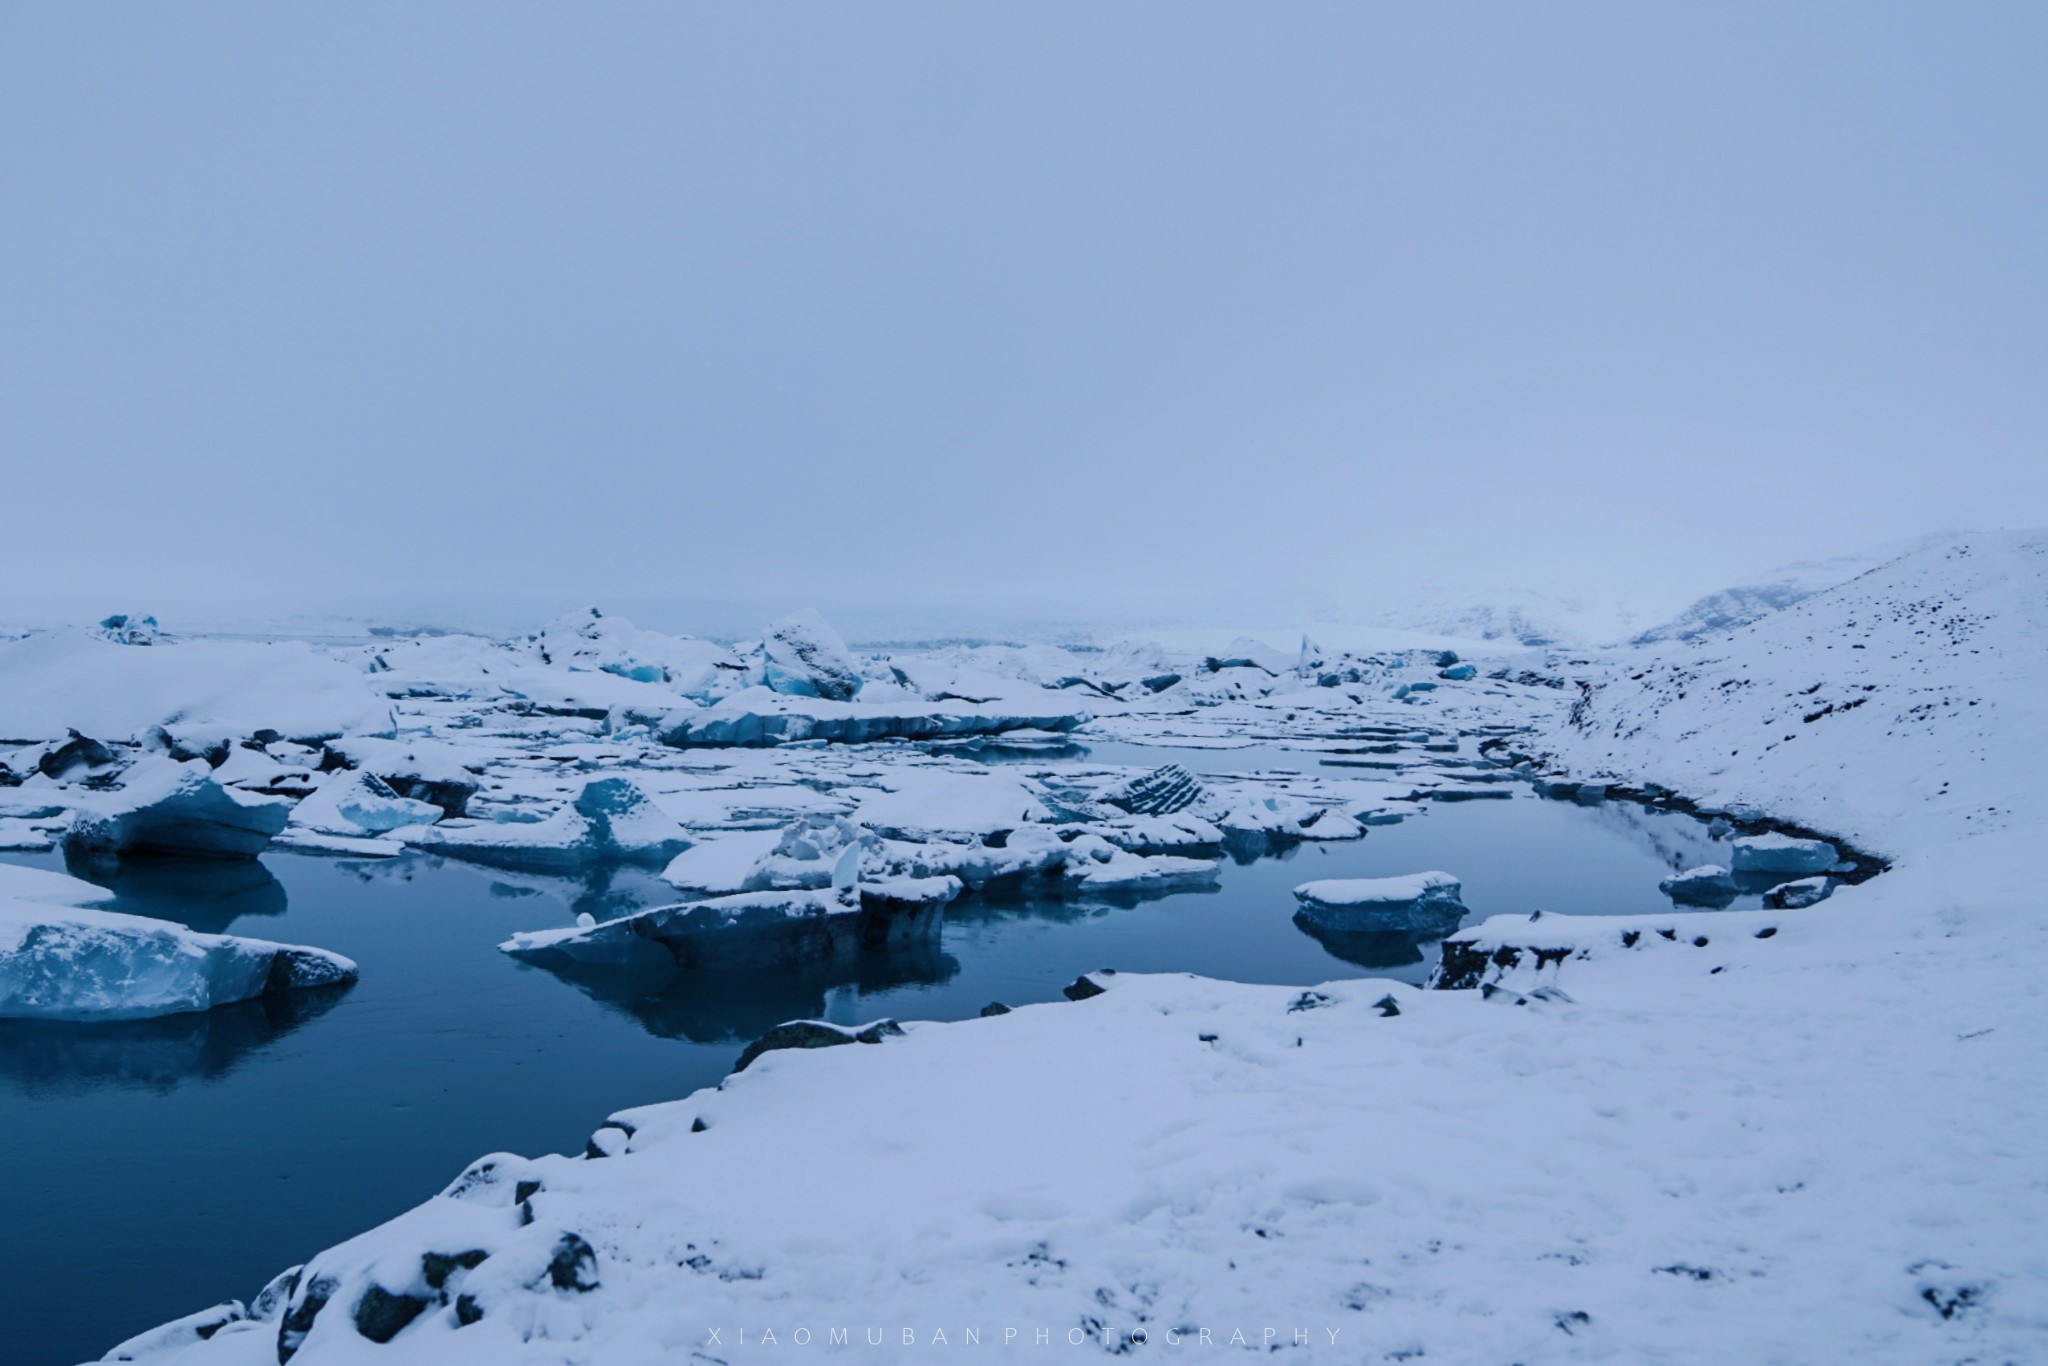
(806, 658)
(73, 963)
(590, 640)
(360, 805)
(762, 717)
(1163, 791)
(1707, 885)
(425, 771)
(611, 820)
(167, 807)
(1422, 902)
(1776, 853)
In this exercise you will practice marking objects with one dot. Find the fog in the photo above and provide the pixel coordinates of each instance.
(1027, 313)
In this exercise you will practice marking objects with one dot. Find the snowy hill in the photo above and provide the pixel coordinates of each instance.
(1739, 605)
(1902, 704)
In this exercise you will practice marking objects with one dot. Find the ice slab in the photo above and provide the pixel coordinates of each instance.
(611, 820)
(163, 806)
(761, 717)
(70, 963)
(1778, 853)
(1426, 902)
(1707, 885)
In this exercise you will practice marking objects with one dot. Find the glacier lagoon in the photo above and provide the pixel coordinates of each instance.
(195, 1155)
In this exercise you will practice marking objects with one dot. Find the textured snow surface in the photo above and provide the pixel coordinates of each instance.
(56, 681)
(1777, 1136)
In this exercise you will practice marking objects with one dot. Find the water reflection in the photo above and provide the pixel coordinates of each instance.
(43, 1059)
(709, 1005)
(1369, 949)
(202, 894)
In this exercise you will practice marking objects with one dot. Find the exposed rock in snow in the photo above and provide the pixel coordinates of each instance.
(612, 819)
(1427, 903)
(68, 963)
(166, 807)
(1779, 853)
(361, 805)
(1707, 885)
(806, 658)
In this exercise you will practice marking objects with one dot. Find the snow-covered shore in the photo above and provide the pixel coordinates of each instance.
(1765, 1136)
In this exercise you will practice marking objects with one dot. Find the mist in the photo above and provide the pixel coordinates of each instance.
(1044, 314)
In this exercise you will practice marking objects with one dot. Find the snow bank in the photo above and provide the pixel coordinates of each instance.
(53, 682)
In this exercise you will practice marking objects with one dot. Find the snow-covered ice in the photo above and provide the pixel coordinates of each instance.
(1427, 903)
(163, 806)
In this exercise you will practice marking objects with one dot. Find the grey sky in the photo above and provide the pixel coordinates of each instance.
(1057, 307)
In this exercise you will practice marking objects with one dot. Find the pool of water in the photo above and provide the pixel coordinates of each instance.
(157, 1167)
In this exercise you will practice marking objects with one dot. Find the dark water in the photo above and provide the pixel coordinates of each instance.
(160, 1166)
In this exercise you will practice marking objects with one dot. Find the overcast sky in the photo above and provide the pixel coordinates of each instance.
(1056, 308)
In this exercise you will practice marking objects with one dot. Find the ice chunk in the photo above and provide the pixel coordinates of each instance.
(1778, 853)
(591, 640)
(167, 807)
(420, 769)
(1793, 896)
(811, 852)
(759, 716)
(933, 803)
(1247, 653)
(611, 820)
(806, 658)
(1163, 791)
(1422, 902)
(124, 629)
(1707, 885)
(360, 805)
(65, 963)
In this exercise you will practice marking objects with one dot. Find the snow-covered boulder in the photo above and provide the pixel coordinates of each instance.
(1779, 853)
(806, 658)
(611, 820)
(71, 963)
(163, 806)
(1420, 902)
(360, 804)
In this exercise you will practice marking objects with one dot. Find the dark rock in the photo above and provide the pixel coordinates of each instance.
(814, 1034)
(438, 1266)
(466, 1310)
(994, 1008)
(1084, 986)
(574, 1265)
(1387, 1006)
(298, 1319)
(80, 751)
(380, 1315)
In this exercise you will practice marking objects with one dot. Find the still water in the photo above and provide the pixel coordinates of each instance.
(157, 1167)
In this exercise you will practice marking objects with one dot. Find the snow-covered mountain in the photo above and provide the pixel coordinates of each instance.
(1728, 608)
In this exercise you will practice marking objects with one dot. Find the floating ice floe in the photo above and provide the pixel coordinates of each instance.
(1707, 885)
(1163, 791)
(1422, 902)
(806, 658)
(163, 806)
(923, 804)
(360, 805)
(760, 717)
(422, 770)
(780, 929)
(612, 819)
(68, 962)
(1778, 853)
